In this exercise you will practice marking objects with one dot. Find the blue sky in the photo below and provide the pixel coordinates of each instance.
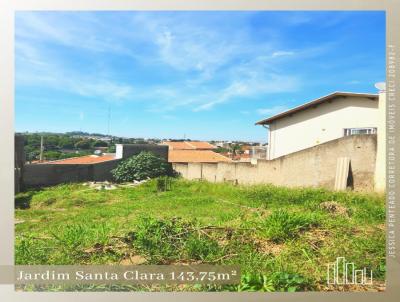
(206, 75)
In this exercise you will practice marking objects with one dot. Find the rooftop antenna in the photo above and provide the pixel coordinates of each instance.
(381, 86)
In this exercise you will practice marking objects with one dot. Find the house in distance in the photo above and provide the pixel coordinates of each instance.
(193, 152)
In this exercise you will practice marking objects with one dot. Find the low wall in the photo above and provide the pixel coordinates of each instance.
(52, 174)
(312, 167)
(19, 160)
(48, 174)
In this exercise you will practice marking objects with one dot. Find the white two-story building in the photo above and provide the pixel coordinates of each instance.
(321, 120)
(327, 118)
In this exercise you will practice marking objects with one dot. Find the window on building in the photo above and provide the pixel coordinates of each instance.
(353, 131)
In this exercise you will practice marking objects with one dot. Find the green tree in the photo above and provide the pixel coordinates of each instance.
(111, 149)
(235, 149)
(99, 144)
(66, 142)
(221, 150)
(142, 166)
(83, 144)
(51, 155)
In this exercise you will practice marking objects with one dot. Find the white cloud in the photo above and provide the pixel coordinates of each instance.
(254, 82)
(203, 47)
(212, 64)
(272, 110)
(281, 53)
(59, 78)
(102, 88)
(74, 30)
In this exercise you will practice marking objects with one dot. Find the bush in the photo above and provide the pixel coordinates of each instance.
(161, 240)
(30, 251)
(166, 240)
(142, 166)
(202, 248)
(289, 282)
(276, 282)
(164, 184)
(254, 282)
(282, 225)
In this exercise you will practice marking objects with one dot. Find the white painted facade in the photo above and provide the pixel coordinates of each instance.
(323, 122)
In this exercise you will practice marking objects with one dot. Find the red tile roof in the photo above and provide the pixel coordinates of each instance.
(178, 146)
(189, 145)
(89, 159)
(202, 145)
(195, 156)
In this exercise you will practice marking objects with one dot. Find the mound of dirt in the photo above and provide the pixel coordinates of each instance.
(334, 208)
(133, 260)
(268, 247)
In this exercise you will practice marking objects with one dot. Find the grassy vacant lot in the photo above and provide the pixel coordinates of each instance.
(282, 238)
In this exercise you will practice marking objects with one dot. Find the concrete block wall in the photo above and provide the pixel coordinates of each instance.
(182, 169)
(312, 167)
(102, 171)
(194, 171)
(209, 172)
(53, 174)
(19, 160)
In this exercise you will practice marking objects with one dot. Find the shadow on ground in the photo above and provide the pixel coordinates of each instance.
(23, 200)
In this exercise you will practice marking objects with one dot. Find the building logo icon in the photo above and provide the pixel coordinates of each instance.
(342, 272)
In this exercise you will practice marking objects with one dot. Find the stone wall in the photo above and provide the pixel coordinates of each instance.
(312, 167)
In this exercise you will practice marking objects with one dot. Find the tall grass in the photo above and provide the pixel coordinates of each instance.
(263, 228)
(282, 225)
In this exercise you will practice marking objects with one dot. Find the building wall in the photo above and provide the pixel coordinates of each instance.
(102, 171)
(321, 124)
(312, 167)
(53, 174)
(48, 174)
(19, 161)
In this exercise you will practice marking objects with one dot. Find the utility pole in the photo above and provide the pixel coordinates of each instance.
(41, 149)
